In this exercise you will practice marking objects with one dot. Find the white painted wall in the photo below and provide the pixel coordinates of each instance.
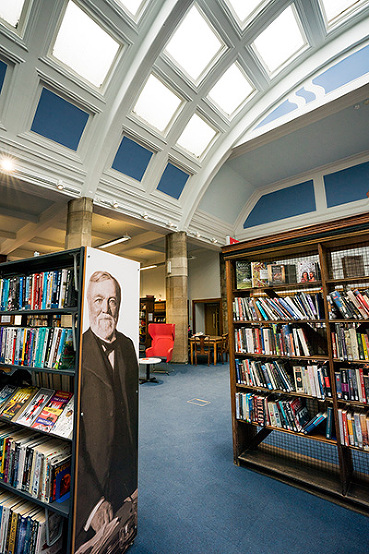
(153, 283)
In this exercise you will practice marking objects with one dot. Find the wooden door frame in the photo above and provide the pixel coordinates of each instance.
(208, 301)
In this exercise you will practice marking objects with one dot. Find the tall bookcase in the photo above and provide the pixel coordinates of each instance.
(298, 332)
(23, 307)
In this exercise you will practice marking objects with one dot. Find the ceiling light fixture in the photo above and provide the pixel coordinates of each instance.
(148, 267)
(144, 216)
(115, 205)
(115, 241)
(60, 185)
(7, 164)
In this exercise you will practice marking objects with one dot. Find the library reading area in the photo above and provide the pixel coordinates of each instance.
(184, 276)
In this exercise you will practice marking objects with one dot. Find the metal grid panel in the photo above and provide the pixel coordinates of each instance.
(350, 262)
(301, 450)
(360, 462)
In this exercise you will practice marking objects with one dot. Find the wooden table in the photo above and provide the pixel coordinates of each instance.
(214, 341)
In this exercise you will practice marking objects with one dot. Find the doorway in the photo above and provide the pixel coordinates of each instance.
(207, 316)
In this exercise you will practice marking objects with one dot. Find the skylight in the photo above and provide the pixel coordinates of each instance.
(157, 104)
(133, 6)
(197, 136)
(281, 41)
(243, 9)
(10, 11)
(194, 46)
(334, 9)
(232, 90)
(84, 46)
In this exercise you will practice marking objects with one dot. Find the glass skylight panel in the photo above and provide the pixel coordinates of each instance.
(333, 9)
(243, 9)
(84, 46)
(280, 41)
(194, 46)
(196, 136)
(157, 104)
(11, 10)
(232, 90)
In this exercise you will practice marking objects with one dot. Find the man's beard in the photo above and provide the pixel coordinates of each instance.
(104, 326)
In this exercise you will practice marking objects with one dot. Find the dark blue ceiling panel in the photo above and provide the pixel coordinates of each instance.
(172, 181)
(281, 204)
(347, 185)
(131, 159)
(59, 120)
(3, 68)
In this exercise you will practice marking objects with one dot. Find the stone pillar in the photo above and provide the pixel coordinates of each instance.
(79, 223)
(176, 292)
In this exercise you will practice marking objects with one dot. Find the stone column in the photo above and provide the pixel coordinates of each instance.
(79, 223)
(176, 292)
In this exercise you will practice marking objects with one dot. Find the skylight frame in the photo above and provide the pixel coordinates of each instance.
(347, 13)
(188, 131)
(163, 131)
(120, 4)
(71, 69)
(242, 23)
(272, 71)
(168, 56)
(23, 17)
(230, 115)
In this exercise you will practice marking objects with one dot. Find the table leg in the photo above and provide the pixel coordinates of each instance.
(191, 345)
(215, 352)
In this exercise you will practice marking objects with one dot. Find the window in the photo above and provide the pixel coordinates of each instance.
(84, 46)
(231, 90)
(157, 104)
(194, 46)
(197, 136)
(280, 41)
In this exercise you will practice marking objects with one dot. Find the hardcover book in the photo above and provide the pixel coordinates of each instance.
(307, 271)
(353, 266)
(243, 275)
(259, 274)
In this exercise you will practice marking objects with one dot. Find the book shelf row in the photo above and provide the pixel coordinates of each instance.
(282, 413)
(350, 342)
(42, 347)
(312, 380)
(301, 305)
(281, 340)
(258, 274)
(35, 464)
(354, 427)
(39, 291)
(25, 529)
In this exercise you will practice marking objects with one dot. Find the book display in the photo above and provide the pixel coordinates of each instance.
(160, 311)
(299, 358)
(47, 427)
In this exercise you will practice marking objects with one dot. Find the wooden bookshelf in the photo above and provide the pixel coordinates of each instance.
(160, 312)
(146, 316)
(329, 374)
(26, 309)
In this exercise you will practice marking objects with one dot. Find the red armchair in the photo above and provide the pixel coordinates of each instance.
(162, 335)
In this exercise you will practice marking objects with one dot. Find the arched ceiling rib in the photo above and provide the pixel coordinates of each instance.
(87, 170)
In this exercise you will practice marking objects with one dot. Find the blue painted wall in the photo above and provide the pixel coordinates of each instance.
(131, 159)
(59, 120)
(281, 204)
(173, 181)
(347, 185)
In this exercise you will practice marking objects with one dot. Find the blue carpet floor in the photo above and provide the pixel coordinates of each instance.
(193, 499)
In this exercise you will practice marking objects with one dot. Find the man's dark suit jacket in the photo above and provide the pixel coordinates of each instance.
(107, 459)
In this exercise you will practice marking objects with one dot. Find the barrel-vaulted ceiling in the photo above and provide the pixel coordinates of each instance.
(150, 106)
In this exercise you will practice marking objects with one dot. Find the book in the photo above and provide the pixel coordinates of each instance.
(259, 274)
(243, 275)
(353, 266)
(5, 393)
(64, 424)
(276, 274)
(46, 420)
(32, 410)
(17, 402)
(307, 271)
